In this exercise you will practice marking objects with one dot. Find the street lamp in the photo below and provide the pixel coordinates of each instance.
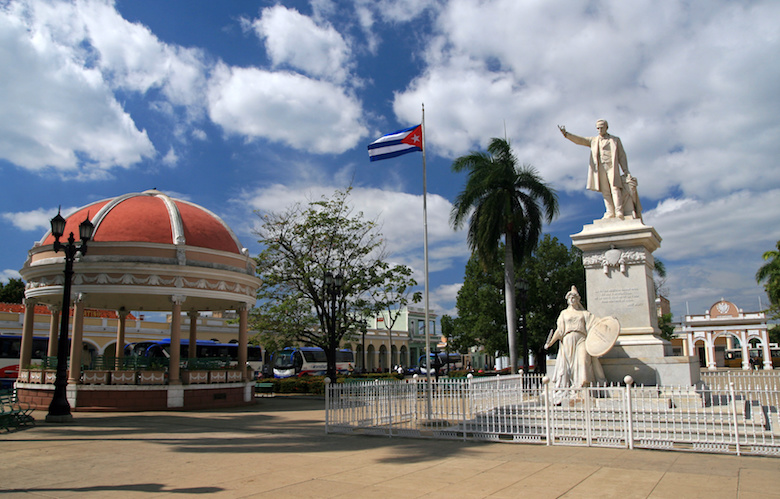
(333, 287)
(59, 409)
(522, 290)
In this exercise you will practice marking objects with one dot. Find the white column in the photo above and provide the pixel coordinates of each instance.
(710, 345)
(193, 349)
(243, 339)
(765, 349)
(54, 323)
(77, 332)
(25, 353)
(745, 344)
(120, 336)
(174, 375)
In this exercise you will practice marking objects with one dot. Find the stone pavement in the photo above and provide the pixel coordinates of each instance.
(278, 448)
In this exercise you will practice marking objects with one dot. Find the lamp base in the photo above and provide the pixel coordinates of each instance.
(64, 418)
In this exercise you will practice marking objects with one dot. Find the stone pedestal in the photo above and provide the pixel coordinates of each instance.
(618, 259)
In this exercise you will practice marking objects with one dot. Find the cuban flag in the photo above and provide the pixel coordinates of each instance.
(396, 143)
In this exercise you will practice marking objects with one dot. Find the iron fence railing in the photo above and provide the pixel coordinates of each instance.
(527, 409)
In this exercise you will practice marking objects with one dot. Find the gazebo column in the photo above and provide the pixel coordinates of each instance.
(193, 349)
(53, 323)
(243, 339)
(76, 346)
(120, 336)
(25, 355)
(174, 375)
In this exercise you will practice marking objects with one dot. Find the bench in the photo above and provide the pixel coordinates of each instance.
(264, 388)
(12, 414)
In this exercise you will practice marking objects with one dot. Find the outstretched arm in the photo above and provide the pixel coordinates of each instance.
(583, 141)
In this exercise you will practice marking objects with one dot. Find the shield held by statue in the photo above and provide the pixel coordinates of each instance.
(602, 336)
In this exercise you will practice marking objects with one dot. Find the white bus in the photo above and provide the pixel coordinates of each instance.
(309, 361)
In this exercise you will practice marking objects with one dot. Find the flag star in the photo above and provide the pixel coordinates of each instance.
(415, 138)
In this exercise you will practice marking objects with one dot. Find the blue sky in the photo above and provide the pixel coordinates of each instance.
(242, 106)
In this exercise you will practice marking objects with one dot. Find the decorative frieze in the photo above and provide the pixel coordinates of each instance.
(615, 258)
(146, 280)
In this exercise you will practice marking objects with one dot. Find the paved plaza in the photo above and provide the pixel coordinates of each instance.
(278, 448)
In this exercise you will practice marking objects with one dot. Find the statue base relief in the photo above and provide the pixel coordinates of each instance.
(619, 263)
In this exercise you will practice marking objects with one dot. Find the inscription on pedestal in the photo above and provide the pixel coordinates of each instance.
(627, 297)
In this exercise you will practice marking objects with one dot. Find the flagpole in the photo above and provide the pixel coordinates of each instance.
(425, 251)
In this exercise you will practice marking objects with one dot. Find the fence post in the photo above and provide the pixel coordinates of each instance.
(466, 396)
(733, 406)
(588, 422)
(546, 383)
(327, 404)
(415, 396)
(629, 381)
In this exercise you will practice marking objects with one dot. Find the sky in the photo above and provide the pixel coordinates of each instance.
(245, 106)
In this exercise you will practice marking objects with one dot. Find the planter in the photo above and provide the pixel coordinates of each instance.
(123, 377)
(195, 377)
(24, 376)
(233, 376)
(49, 376)
(151, 377)
(217, 376)
(91, 377)
(36, 377)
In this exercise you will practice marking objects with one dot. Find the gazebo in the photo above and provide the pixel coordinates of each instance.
(148, 253)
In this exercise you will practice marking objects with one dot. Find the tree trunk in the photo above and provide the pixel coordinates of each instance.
(509, 300)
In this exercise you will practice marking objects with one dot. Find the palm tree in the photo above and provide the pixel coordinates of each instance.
(770, 272)
(503, 200)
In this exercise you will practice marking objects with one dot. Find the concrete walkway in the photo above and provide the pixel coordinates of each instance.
(278, 448)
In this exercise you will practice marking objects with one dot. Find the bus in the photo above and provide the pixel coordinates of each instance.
(10, 350)
(309, 361)
(205, 349)
(733, 357)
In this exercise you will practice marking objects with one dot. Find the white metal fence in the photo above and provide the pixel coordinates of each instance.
(722, 415)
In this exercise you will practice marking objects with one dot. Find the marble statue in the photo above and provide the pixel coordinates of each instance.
(575, 367)
(607, 158)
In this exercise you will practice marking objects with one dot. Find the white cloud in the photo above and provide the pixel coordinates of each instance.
(690, 227)
(398, 214)
(688, 87)
(294, 40)
(7, 274)
(35, 220)
(306, 114)
(68, 119)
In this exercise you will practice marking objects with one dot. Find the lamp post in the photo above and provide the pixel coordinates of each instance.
(522, 289)
(333, 287)
(59, 409)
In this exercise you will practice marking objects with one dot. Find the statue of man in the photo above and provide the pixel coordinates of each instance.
(607, 158)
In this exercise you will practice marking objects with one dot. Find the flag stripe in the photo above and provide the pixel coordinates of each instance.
(392, 145)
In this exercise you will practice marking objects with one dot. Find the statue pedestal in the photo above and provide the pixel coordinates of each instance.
(618, 259)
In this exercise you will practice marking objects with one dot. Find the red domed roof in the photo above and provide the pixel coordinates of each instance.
(152, 217)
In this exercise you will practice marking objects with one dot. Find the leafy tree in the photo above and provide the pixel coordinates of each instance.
(12, 291)
(502, 200)
(666, 327)
(319, 266)
(550, 272)
(769, 274)
(481, 317)
(659, 278)
(390, 297)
